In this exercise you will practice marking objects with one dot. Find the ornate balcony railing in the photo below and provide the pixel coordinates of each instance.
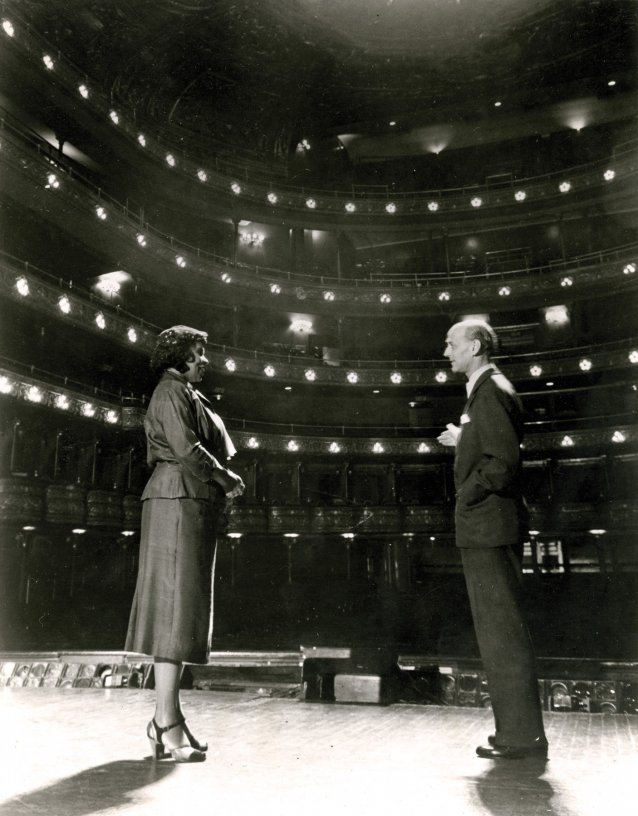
(26, 284)
(45, 175)
(286, 439)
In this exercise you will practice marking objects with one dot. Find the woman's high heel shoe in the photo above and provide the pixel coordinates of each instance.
(195, 743)
(183, 753)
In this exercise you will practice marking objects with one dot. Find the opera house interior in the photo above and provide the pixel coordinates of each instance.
(325, 188)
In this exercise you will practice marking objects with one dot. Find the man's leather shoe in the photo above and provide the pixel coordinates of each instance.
(491, 751)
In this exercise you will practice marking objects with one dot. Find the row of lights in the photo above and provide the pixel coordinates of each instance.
(310, 374)
(391, 207)
(396, 378)
(65, 305)
(38, 395)
(618, 437)
(443, 297)
(328, 295)
(352, 377)
(272, 197)
(585, 364)
(293, 445)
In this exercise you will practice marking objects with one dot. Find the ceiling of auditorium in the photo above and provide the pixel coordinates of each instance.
(269, 73)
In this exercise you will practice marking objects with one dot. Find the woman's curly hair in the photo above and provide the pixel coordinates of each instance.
(174, 348)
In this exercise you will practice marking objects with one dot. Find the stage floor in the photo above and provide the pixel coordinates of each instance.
(74, 752)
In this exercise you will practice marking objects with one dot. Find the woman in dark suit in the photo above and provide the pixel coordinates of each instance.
(188, 448)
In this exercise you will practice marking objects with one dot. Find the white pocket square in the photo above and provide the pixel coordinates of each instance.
(465, 419)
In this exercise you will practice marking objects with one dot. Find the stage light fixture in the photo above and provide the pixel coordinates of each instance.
(505, 291)
(34, 394)
(477, 201)
(180, 261)
(443, 296)
(141, 138)
(253, 443)
(566, 281)
(83, 91)
(48, 62)
(423, 448)
(310, 374)
(272, 198)
(230, 364)
(201, 175)
(440, 376)
(111, 416)
(114, 117)
(141, 239)
(378, 448)
(9, 30)
(585, 364)
(609, 175)
(433, 206)
(269, 371)
(556, 315)
(311, 203)
(131, 334)
(292, 446)
(6, 386)
(385, 298)
(535, 370)
(101, 213)
(170, 160)
(328, 295)
(22, 285)
(352, 377)
(235, 187)
(301, 325)
(567, 441)
(275, 288)
(64, 304)
(395, 377)
(629, 269)
(520, 195)
(226, 278)
(391, 207)
(350, 207)
(334, 447)
(52, 182)
(565, 186)
(618, 437)
(62, 402)
(88, 409)
(633, 356)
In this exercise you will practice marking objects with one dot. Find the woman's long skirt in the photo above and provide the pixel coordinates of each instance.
(171, 616)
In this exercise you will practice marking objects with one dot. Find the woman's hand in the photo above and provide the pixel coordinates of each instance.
(230, 482)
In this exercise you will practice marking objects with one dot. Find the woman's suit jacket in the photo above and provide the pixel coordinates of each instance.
(186, 442)
(489, 504)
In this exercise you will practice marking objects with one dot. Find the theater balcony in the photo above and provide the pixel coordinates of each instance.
(326, 241)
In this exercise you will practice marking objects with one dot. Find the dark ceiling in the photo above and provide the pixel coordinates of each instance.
(265, 74)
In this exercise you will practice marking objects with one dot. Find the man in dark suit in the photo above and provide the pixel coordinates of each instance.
(489, 517)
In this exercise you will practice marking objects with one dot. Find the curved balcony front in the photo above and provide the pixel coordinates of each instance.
(161, 261)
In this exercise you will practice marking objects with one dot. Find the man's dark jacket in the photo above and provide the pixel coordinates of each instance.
(487, 465)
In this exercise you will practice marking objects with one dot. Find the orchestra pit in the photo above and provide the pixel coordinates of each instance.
(324, 187)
